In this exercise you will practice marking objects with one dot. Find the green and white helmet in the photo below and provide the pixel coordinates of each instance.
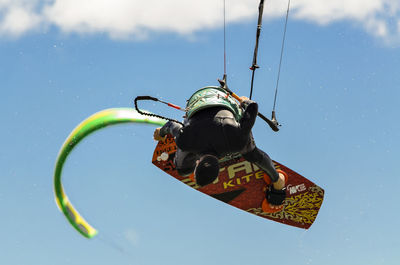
(212, 96)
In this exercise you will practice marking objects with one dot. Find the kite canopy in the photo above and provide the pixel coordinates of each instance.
(93, 123)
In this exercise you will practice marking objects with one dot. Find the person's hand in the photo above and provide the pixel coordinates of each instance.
(157, 135)
(243, 98)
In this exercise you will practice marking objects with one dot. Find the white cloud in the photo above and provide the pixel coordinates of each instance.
(17, 17)
(138, 18)
(377, 17)
(18, 20)
(121, 18)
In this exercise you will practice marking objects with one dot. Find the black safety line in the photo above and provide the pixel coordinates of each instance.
(138, 98)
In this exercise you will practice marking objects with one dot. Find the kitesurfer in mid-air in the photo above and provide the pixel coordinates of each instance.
(216, 125)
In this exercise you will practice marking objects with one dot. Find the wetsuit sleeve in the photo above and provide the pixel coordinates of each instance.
(249, 115)
(172, 128)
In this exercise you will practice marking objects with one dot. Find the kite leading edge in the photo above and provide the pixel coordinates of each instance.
(95, 122)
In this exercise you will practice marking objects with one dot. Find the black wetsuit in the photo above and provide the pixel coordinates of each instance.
(215, 131)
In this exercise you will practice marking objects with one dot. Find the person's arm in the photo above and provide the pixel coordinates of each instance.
(171, 128)
(249, 115)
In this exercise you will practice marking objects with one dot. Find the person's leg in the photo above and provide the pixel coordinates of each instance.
(262, 160)
(254, 155)
(185, 162)
(275, 194)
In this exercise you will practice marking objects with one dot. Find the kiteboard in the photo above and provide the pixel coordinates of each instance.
(242, 184)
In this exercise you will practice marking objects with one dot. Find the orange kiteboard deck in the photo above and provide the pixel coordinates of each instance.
(241, 184)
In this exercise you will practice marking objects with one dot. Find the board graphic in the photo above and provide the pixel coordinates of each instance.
(241, 184)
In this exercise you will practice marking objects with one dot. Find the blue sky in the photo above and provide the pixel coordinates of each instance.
(338, 103)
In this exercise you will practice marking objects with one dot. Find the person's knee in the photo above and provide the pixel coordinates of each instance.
(207, 170)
